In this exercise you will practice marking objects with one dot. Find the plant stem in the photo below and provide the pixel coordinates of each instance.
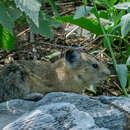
(108, 43)
(125, 92)
(107, 39)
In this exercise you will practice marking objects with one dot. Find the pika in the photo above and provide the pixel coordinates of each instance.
(69, 74)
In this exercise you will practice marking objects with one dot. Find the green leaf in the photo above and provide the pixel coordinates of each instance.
(124, 5)
(14, 13)
(54, 7)
(128, 10)
(31, 9)
(50, 21)
(128, 51)
(7, 41)
(129, 82)
(128, 61)
(82, 11)
(43, 29)
(106, 3)
(122, 72)
(103, 14)
(5, 19)
(85, 23)
(84, 2)
(125, 24)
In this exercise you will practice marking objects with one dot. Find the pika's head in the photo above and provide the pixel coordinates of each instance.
(84, 67)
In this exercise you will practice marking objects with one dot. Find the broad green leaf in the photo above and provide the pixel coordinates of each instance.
(122, 72)
(106, 3)
(125, 24)
(54, 7)
(43, 29)
(5, 19)
(7, 41)
(128, 10)
(129, 82)
(31, 9)
(14, 13)
(51, 22)
(128, 51)
(82, 11)
(85, 23)
(128, 61)
(124, 5)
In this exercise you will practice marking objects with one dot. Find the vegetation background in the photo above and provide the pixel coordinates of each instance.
(36, 31)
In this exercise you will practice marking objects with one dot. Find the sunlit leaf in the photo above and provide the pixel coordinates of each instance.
(7, 41)
(106, 3)
(128, 10)
(125, 24)
(31, 9)
(89, 24)
(43, 29)
(14, 13)
(5, 19)
(128, 61)
(82, 11)
(124, 5)
(122, 72)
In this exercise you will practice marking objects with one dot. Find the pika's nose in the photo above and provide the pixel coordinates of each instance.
(105, 72)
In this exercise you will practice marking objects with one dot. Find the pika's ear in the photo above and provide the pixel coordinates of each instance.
(72, 57)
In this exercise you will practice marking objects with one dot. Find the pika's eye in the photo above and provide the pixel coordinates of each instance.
(95, 66)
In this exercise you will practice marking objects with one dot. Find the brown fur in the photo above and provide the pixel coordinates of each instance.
(44, 77)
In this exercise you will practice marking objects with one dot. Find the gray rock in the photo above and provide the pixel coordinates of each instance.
(56, 116)
(122, 103)
(104, 115)
(13, 109)
(66, 111)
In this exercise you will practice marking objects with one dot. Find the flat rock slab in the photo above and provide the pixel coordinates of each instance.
(66, 111)
(104, 115)
(56, 116)
(13, 109)
(121, 103)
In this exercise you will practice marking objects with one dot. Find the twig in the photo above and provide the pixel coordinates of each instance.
(113, 76)
(68, 3)
(66, 12)
(21, 33)
(117, 86)
(109, 90)
(75, 28)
